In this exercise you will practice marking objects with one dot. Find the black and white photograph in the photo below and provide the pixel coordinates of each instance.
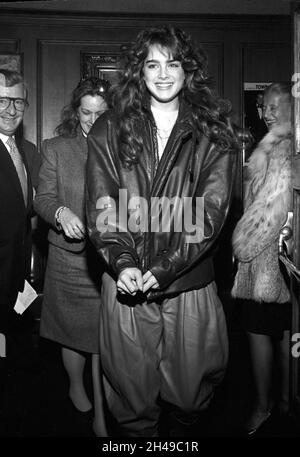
(253, 112)
(149, 222)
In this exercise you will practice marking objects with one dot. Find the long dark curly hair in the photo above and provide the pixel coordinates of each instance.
(89, 86)
(209, 115)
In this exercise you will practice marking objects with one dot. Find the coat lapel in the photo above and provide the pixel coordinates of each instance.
(7, 166)
(29, 183)
(79, 145)
(72, 162)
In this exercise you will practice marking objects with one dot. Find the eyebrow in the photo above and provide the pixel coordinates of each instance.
(157, 61)
(99, 110)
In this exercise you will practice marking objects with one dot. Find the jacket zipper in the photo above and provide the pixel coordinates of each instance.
(154, 165)
(154, 147)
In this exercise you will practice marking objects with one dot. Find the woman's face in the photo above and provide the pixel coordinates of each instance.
(91, 107)
(164, 77)
(276, 110)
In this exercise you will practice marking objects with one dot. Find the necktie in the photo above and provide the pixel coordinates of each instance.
(18, 163)
(259, 109)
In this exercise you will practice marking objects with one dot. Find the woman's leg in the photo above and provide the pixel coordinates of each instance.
(261, 351)
(74, 363)
(284, 365)
(99, 425)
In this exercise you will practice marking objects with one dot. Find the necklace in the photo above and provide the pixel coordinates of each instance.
(164, 124)
(164, 121)
(164, 133)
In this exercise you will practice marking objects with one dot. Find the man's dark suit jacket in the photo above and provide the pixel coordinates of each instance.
(256, 125)
(15, 221)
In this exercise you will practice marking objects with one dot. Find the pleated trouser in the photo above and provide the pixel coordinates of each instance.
(176, 349)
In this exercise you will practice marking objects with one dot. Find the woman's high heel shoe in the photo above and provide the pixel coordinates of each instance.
(260, 422)
(258, 418)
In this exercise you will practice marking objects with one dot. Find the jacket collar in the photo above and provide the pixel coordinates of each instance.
(268, 143)
(270, 147)
(78, 143)
(7, 164)
(183, 122)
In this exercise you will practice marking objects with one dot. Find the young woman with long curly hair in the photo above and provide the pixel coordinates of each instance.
(163, 152)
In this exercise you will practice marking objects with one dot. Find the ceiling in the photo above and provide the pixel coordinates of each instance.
(261, 7)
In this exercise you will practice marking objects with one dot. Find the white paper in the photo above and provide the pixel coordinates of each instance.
(25, 298)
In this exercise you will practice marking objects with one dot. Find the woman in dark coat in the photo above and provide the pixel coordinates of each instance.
(71, 304)
(163, 332)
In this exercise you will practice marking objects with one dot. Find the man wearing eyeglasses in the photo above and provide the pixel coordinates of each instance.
(19, 164)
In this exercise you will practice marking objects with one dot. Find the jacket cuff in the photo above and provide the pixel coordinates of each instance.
(163, 270)
(124, 260)
(57, 216)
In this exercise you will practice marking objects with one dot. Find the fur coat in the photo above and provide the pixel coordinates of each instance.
(267, 201)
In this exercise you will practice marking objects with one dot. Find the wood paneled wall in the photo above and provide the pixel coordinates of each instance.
(240, 48)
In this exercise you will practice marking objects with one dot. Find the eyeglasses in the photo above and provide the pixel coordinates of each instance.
(19, 103)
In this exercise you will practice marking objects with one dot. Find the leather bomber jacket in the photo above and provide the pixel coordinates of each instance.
(188, 168)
